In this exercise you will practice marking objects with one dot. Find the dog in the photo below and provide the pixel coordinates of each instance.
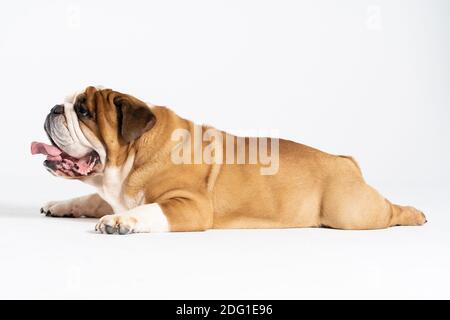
(141, 159)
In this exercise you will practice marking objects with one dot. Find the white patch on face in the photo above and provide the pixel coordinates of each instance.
(80, 146)
(72, 97)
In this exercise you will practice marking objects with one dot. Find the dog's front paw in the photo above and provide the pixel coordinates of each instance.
(59, 209)
(115, 223)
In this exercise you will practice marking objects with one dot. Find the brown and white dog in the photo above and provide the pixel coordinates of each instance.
(123, 147)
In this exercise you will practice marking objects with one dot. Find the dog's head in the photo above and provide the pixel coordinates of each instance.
(92, 128)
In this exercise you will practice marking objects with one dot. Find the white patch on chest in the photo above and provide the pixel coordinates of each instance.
(132, 202)
(111, 187)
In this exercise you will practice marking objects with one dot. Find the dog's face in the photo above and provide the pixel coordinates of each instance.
(92, 129)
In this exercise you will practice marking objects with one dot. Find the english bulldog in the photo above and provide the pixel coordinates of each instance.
(150, 175)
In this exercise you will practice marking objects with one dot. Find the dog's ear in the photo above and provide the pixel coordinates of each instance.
(134, 117)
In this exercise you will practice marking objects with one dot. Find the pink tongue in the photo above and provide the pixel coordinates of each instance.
(68, 165)
(52, 152)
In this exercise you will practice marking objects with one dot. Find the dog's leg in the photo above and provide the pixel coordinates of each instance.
(91, 206)
(406, 216)
(357, 206)
(145, 218)
(172, 215)
(350, 203)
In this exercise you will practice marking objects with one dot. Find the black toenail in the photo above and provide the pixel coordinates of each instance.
(123, 230)
(110, 230)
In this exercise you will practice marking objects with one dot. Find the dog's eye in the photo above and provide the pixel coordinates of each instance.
(82, 110)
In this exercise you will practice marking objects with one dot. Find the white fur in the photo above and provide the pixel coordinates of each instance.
(132, 202)
(150, 218)
(111, 187)
(145, 218)
(80, 146)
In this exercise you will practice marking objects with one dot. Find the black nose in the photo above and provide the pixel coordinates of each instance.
(58, 109)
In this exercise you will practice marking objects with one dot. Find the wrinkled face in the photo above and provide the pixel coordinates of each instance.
(91, 129)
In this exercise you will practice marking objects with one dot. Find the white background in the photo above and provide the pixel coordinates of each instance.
(365, 78)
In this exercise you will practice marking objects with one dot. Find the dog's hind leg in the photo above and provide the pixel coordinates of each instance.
(406, 216)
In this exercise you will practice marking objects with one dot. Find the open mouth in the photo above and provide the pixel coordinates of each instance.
(62, 164)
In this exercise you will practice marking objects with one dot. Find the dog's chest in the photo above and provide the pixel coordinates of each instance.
(111, 190)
